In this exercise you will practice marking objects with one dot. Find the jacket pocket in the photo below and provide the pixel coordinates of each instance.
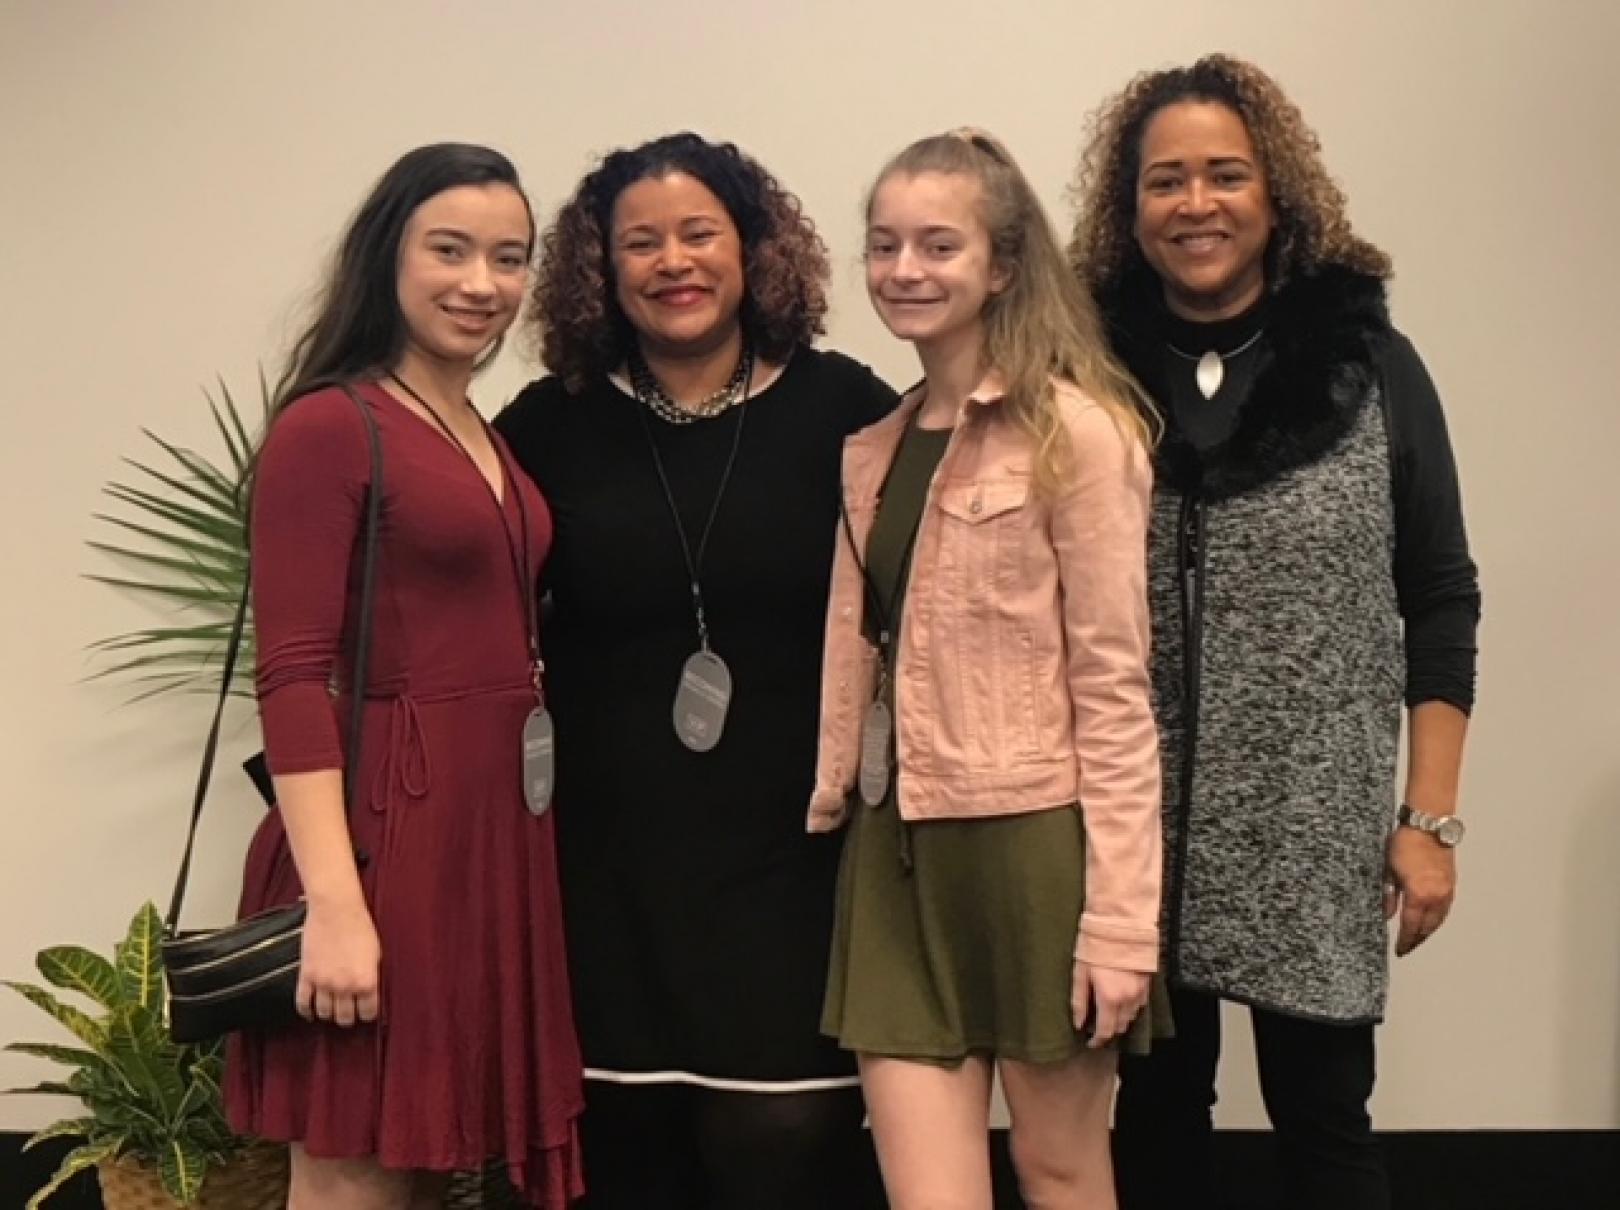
(983, 528)
(981, 537)
(977, 503)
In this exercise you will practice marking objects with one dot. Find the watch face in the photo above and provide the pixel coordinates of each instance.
(1449, 831)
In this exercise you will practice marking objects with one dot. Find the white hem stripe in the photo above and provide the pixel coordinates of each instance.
(720, 1083)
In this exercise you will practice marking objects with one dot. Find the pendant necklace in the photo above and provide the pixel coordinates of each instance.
(1211, 371)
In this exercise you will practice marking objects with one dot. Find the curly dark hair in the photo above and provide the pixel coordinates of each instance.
(575, 315)
(1313, 230)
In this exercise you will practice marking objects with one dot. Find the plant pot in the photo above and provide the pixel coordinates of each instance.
(253, 1179)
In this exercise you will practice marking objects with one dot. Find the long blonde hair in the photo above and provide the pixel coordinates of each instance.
(1043, 325)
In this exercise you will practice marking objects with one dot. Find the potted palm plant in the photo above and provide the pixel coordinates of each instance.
(152, 1124)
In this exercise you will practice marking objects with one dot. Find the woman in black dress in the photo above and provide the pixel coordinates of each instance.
(688, 441)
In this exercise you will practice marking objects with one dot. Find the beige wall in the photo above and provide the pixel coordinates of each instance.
(172, 173)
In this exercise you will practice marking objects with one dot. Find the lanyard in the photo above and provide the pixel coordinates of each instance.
(518, 550)
(881, 604)
(694, 564)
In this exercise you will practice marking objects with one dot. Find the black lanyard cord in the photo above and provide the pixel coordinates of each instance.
(694, 566)
(883, 607)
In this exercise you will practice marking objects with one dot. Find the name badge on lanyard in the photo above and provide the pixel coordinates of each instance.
(702, 699)
(877, 734)
(539, 760)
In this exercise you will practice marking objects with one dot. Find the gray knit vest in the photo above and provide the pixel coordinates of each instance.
(1274, 865)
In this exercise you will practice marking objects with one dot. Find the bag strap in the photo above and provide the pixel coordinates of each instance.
(351, 764)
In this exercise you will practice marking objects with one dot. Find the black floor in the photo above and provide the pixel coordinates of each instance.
(1472, 1170)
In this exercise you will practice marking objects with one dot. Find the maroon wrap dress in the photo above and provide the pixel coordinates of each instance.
(474, 1055)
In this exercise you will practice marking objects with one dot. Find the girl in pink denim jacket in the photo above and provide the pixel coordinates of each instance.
(986, 726)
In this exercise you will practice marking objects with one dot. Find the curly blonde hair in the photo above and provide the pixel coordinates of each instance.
(1313, 230)
(1042, 325)
(575, 317)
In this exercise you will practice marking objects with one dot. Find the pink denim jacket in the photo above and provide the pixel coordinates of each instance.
(1022, 680)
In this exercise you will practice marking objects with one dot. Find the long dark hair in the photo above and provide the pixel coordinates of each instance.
(581, 328)
(358, 328)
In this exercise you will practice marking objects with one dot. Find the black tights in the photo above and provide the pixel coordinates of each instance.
(676, 1147)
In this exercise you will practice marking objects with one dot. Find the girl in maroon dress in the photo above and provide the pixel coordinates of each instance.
(437, 1028)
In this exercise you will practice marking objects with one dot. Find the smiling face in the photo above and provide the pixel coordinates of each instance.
(463, 263)
(1203, 210)
(677, 264)
(929, 265)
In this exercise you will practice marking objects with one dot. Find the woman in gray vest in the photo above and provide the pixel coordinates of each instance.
(1309, 572)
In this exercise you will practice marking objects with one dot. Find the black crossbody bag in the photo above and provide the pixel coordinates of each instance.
(245, 975)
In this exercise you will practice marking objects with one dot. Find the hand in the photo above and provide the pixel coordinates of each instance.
(341, 957)
(1119, 996)
(1420, 880)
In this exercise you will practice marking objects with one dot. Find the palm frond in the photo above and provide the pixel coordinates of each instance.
(208, 636)
(204, 489)
(207, 548)
(182, 685)
(228, 418)
(179, 526)
(167, 663)
(200, 572)
(184, 594)
(206, 686)
(199, 521)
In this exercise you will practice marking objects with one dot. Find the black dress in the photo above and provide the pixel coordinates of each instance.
(698, 911)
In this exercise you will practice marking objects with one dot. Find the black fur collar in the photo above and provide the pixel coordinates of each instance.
(1324, 335)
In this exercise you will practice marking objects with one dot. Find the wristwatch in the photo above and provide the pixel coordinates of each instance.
(1447, 829)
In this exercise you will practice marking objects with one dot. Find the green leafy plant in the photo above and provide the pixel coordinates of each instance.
(144, 1095)
(182, 528)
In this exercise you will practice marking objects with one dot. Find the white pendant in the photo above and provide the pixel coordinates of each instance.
(1211, 369)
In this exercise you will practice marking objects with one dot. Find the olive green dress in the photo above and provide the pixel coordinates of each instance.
(955, 936)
